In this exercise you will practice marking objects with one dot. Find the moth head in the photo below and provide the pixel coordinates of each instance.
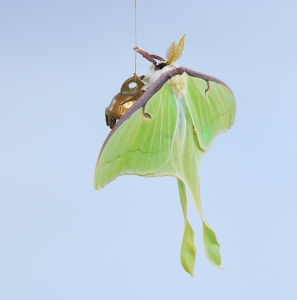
(173, 53)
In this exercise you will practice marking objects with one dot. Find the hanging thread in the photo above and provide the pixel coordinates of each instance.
(135, 25)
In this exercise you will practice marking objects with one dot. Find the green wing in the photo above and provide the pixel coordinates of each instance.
(143, 143)
(167, 136)
(215, 111)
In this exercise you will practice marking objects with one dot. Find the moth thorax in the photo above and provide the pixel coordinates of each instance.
(179, 85)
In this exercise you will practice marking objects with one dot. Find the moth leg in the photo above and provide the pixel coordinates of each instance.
(157, 57)
(149, 57)
(146, 55)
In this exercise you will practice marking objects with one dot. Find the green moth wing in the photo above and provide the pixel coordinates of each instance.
(166, 133)
(216, 113)
(137, 144)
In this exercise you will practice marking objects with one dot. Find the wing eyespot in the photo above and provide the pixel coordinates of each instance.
(147, 116)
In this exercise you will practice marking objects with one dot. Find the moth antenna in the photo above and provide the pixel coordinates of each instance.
(174, 52)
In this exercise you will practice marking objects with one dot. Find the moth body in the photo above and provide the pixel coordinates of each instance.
(178, 82)
(166, 132)
(152, 75)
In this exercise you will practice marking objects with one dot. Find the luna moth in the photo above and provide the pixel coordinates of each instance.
(166, 133)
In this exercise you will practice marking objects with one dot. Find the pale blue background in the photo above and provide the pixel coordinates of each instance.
(61, 62)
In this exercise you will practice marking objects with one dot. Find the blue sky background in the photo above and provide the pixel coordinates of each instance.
(61, 63)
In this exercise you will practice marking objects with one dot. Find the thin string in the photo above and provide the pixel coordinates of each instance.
(135, 25)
